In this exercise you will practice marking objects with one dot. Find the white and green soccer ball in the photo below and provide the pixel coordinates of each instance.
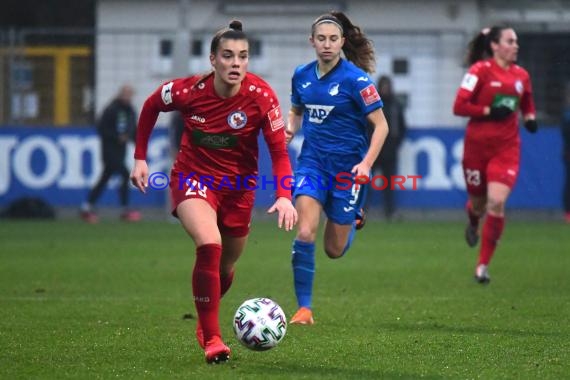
(260, 324)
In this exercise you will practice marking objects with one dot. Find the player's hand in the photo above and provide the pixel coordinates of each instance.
(287, 215)
(361, 169)
(289, 135)
(139, 175)
(500, 112)
(531, 125)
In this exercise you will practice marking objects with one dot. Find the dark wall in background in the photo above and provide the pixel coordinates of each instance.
(47, 13)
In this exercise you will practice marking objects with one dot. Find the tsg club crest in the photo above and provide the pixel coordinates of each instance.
(333, 89)
(237, 119)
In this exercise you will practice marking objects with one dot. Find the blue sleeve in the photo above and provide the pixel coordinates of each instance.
(365, 94)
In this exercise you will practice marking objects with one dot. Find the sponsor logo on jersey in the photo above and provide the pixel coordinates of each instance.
(348, 209)
(276, 118)
(199, 119)
(362, 79)
(305, 85)
(509, 101)
(333, 89)
(496, 83)
(213, 140)
(237, 119)
(469, 82)
(318, 113)
(166, 93)
(369, 95)
(519, 87)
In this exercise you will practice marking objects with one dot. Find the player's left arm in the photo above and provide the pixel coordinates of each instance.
(274, 134)
(378, 121)
(528, 107)
(370, 103)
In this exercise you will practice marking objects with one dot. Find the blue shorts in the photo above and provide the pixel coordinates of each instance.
(340, 197)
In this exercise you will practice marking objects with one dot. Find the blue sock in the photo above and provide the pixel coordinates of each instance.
(350, 238)
(303, 261)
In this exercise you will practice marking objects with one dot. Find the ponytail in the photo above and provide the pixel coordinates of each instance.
(479, 47)
(357, 47)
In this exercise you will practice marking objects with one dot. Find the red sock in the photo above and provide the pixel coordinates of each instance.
(206, 288)
(473, 219)
(226, 283)
(492, 231)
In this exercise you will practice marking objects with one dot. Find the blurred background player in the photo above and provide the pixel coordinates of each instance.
(116, 127)
(335, 100)
(224, 112)
(387, 160)
(565, 127)
(491, 94)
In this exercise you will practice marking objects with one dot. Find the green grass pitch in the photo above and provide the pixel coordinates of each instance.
(107, 301)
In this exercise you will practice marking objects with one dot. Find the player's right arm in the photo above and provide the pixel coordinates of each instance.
(161, 100)
(464, 101)
(294, 121)
(295, 115)
(139, 175)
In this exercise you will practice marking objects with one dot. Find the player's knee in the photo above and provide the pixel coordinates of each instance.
(496, 205)
(306, 234)
(226, 269)
(333, 251)
(479, 209)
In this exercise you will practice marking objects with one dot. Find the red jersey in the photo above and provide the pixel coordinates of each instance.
(486, 84)
(220, 134)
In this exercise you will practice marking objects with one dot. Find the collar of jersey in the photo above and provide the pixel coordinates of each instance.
(331, 70)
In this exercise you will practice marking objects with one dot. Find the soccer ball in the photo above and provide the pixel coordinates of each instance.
(260, 324)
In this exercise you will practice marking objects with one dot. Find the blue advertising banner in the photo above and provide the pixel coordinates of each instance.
(61, 164)
(435, 154)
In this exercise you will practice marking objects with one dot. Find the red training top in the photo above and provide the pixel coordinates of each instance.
(486, 84)
(220, 134)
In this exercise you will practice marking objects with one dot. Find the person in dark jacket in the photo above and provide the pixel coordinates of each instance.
(116, 128)
(388, 158)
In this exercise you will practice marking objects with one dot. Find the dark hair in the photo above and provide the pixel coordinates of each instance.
(357, 47)
(480, 46)
(233, 32)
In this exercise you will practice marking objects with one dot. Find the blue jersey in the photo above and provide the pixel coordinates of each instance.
(334, 107)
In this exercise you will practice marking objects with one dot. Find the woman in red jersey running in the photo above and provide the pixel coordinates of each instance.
(492, 94)
(214, 176)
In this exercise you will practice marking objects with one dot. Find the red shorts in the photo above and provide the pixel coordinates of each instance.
(481, 167)
(233, 208)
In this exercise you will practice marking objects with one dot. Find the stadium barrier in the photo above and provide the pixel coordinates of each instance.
(60, 165)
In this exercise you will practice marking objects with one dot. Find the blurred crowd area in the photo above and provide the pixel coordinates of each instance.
(64, 74)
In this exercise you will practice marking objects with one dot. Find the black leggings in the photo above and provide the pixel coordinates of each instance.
(108, 172)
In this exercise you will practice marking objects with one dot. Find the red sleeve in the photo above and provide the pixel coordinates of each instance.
(159, 101)
(527, 100)
(274, 134)
(470, 85)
